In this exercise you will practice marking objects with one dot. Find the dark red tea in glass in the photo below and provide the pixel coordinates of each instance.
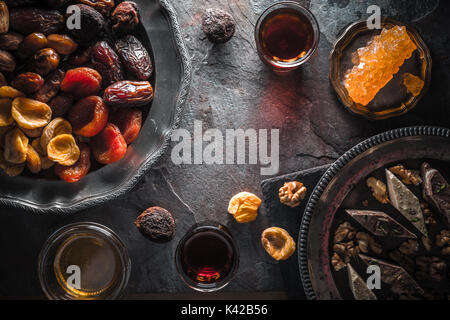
(286, 35)
(207, 257)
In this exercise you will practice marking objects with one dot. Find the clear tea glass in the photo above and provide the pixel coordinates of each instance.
(286, 35)
(84, 261)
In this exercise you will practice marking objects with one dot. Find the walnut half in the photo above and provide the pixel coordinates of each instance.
(292, 193)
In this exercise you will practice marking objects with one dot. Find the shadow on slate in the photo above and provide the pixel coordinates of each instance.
(289, 218)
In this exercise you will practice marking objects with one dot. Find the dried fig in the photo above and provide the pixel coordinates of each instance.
(63, 149)
(36, 19)
(61, 43)
(89, 116)
(107, 62)
(55, 128)
(30, 114)
(134, 57)
(82, 82)
(10, 41)
(33, 160)
(16, 146)
(28, 82)
(78, 170)
(109, 145)
(7, 61)
(129, 94)
(51, 86)
(125, 17)
(4, 17)
(44, 61)
(92, 26)
(6, 118)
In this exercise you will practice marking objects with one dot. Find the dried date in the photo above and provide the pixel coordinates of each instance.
(103, 6)
(63, 44)
(44, 61)
(7, 61)
(51, 86)
(28, 82)
(92, 26)
(10, 41)
(129, 94)
(125, 17)
(21, 3)
(35, 19)
(107, 62)
(4, 17)
(135, 57)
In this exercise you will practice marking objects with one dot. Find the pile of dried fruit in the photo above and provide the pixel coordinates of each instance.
(68, 92)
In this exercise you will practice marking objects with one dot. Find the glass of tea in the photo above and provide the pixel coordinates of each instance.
(84, 261)
(207, 257)
(286, 35)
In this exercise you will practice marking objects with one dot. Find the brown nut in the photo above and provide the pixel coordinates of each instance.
(278, 243)
(292, 193)
(10, 92)
(6, 118)
(7, 61)
(63, 149)
(63, 44)
(4, 17)
(28, 82)
(33, 160)
(10, 41)
(44, 61)
(244, 207)
(379, 190)
(16, 146)
(30, 114)
(32, 44)
(55, 128)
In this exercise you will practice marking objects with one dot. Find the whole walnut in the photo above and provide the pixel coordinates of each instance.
(292, 193)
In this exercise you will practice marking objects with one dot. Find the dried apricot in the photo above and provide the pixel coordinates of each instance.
(63, 149)
(244, 207)
(89, 116)
(33, 133)
(46, 163)
(129, 94)
(82, 82)
(55, 128)
(30, 114)
(11, 169)
(10, 92)
(6, 118)
(78, 170)
(109, 145)
(278, 243)
(33, 160)
(129, 122)
(16, 146)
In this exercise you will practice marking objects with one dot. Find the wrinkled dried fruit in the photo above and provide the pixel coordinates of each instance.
(78, 170)
(81, 58)
(46, 163)
(55, 128)
(11, 169)
(156, 224)
(134, 57)
(35, 19)
(32, 44)
(28, 82)
(7, 61)
(10, 92)
(244, 207)
(4, 17)
(10, 41)
(82, 82)
(16, 146)
(63, 44)
(33, 160)
(44, 61)
(3, 81)
(278, 243)
(103, 6)
(92, 24)
(129, 122)
(125, 17)
(6, 118)
(292, 193)
(109, 145)
(63, 149)
(33, 133)
(218, 25)
(107, 62)
(129, 94)
(60, 104)
(89, 116)
(30, 114)
(51, 86)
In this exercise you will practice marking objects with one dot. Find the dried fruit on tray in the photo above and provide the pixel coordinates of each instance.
(278, 243)
(63, 149)
(78, 170)
(413, 84)
(377, 63)
(30, 114)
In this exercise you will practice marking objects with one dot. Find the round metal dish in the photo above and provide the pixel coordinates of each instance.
(337, 183)
(393, 99)
(171, 81)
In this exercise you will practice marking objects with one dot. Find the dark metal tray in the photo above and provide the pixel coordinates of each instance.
(171, 81)
(411, 144)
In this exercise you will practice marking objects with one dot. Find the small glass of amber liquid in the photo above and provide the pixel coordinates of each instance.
(286, 35)
(84, 261)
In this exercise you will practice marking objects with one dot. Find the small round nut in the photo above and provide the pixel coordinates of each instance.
(218, 25)
(244, 207)
(278, 243)
(156, 224)
(292, 193)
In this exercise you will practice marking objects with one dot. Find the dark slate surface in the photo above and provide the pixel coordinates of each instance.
(231, 88)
